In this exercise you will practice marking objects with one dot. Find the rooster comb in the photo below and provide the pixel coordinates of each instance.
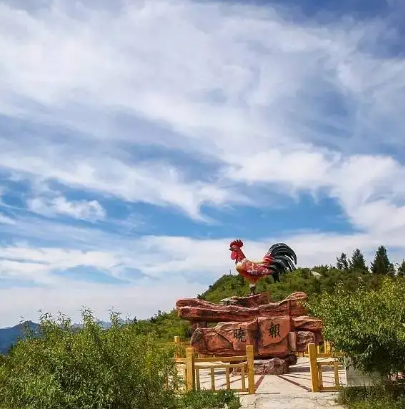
(238, 243)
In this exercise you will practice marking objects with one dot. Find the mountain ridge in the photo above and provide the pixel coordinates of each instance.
(10, 335)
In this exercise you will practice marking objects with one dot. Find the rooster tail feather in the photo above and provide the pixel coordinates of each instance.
(281, 259)
(281, 249)
(279, 265)
(289, 263)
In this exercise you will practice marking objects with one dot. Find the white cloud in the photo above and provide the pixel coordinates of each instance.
(258, 102)
(269, 92)
(70, 298)
(37, 264)
(6, 220)
(154, 183)
(83, 209)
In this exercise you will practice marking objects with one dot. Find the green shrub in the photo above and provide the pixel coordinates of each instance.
(93, 368)
(388, 396)
(89, 368)
(367, 325)
(207, 399)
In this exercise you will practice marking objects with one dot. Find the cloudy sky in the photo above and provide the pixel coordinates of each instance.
(137, 138)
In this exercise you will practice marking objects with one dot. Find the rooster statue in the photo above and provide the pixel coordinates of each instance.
(279, 259)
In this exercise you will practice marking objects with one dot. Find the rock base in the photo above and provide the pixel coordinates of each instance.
(274, 366)
(275, 329)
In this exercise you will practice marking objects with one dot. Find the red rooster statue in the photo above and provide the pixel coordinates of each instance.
(279, 259)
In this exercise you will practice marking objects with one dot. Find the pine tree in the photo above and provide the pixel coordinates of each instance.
(358, 262)
(342, 263)
(381, 264)
(401, 269)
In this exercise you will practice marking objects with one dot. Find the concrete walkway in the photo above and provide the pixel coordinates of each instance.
(290, 401)
(289, 391)
(292, 391)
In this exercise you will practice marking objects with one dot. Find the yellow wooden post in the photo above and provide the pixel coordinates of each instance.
(313, 364)
(250, 357)
(336, 368)
(177, 345)
(212, 379)
(228, 379)
(190, 370)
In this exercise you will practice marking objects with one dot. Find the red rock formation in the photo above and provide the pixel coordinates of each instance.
(198, 310)
(276, 330)
(305, 323)
(249, 302)
(271, 337)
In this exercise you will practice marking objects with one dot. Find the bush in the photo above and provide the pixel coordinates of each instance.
(383, 396)
(89, 368)
(367, 325)
(207, 399)
(92, 368)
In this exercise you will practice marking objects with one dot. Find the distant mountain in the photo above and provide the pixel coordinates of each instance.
(103, 324)
(9, 336)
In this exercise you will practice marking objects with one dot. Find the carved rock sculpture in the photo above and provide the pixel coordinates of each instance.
(193, 309)
(252, 301)
(276, 330)
(273, 366)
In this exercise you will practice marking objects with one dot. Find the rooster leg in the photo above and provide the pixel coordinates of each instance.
(252, 289)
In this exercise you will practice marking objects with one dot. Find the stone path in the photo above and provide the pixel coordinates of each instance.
(292, 391)
(290, 401)
(289, 391)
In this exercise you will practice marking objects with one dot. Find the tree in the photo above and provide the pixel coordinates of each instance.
(401, 269)
(366, 325)
(342, 263)
(358, 262)
(381, 264)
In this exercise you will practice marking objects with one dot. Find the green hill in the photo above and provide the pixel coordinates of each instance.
(314, 282)
(311, 281)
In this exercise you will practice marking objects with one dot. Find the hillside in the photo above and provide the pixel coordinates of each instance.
(325, 279)
(9, 336)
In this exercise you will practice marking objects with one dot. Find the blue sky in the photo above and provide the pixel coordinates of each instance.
(137, 138)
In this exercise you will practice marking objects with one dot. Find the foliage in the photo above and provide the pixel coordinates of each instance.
(401, 269)
(207, 399)
(301, 279)
(87, 368)
(342, 262)
(349, 271)
(381, 263)
(358, 262)
(163, 326)
(91, 367)
(383, 396)
(367, 325)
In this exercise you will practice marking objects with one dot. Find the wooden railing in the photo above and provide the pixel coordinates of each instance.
(325, 350)
(317, 384)
(192, 365)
